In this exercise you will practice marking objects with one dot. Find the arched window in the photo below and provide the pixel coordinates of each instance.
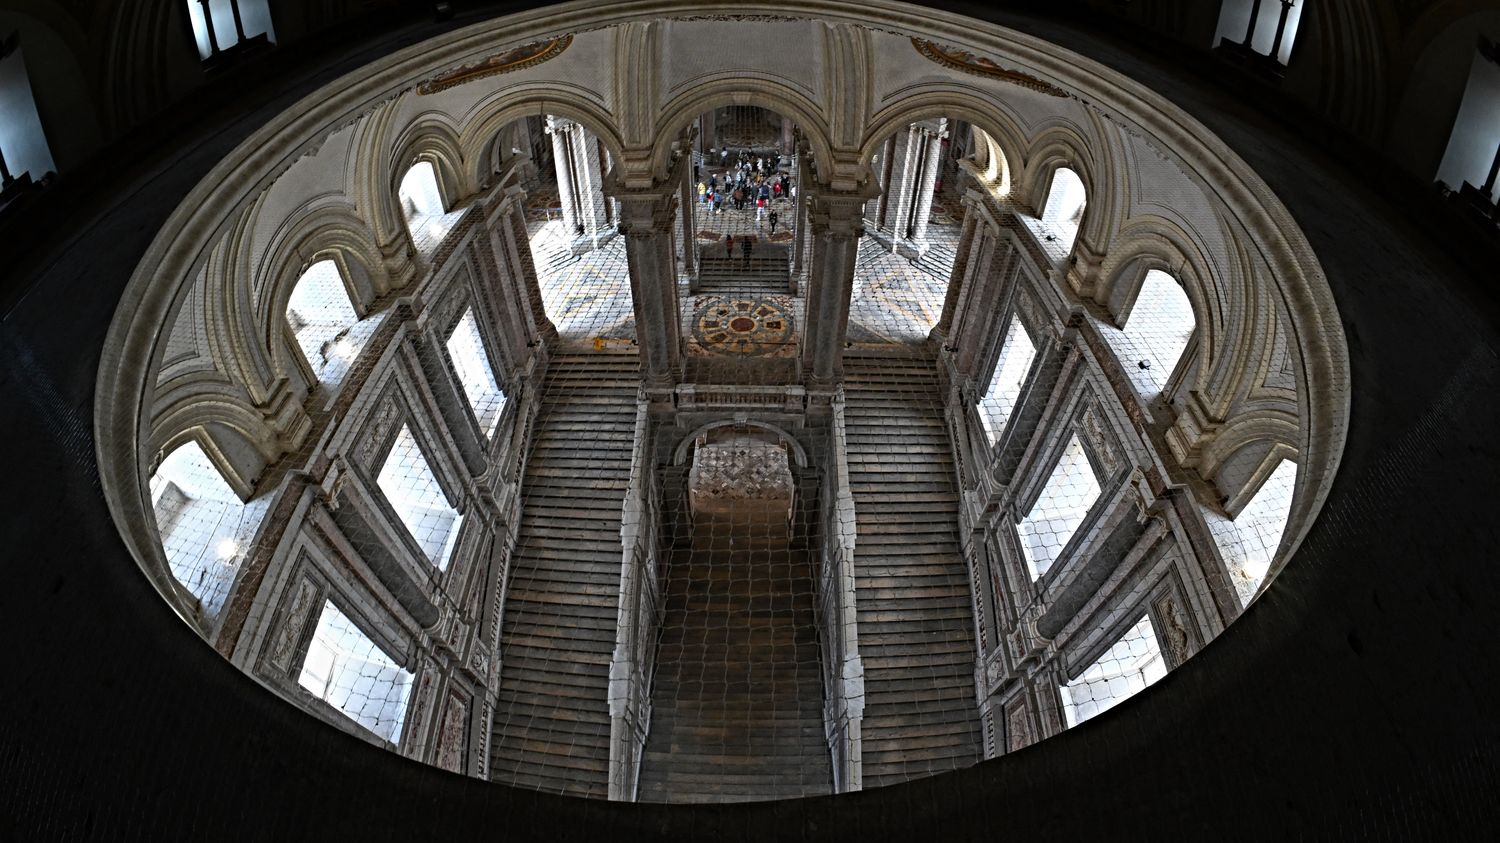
(1471, 163)
(1066, 201)
(1124, 670)
(323, 320)
(205, 528)
(1060, 509)
(999, 401)
(345, 669)
(24, 153)
(1249, 541)
(422, 206)
(407, 481)
(1265, 27)
(1155, 334)
(219, 25)
(467, 351)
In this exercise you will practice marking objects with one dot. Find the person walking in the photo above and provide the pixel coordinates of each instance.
(760, 208)
(702, 193)
(746, 243)
(772, 219)
(729, 247)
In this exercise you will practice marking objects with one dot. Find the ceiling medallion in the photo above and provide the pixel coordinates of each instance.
(518, 58)
(979, 66)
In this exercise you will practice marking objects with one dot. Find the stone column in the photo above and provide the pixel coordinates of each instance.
(646, 220)
(836, 222)
(799, 218)
(786, 135)
(906, 155)
(687, 205)
(587, 176)
(562, 158)
(927, 182)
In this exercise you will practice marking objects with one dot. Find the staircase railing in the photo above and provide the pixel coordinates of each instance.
(634, 663)
(843, 672)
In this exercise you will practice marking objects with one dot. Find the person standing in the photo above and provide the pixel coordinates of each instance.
(702, 193)
(746, 243)
(760, 207)
(772, 219)
(729, 247)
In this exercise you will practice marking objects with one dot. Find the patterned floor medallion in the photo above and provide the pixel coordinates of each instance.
(748, 326)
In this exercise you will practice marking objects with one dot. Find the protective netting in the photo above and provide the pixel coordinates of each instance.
(498, 551)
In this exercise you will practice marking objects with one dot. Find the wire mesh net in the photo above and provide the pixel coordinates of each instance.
(496, 550)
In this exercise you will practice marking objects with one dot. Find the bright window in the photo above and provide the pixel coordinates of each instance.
(1234, 22)
(422, 205)
(408, 483)
(345, 669)
(1155, 334)
(254, 19)
(999, 401)
(1475, 140)
(1066, 201)
(1059, 511)
(206, 530)
(23, 144)
(466, 350)
(323, 320)
(1125, 670)
(1248, 543)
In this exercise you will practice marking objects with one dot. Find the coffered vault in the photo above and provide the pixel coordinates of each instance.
(1136, 377)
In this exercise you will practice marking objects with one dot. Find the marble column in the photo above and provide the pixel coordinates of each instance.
(687, 204)
(799, 218)
(646, 219)
(588, 178)
(927, 182)
(906, 153)
(836, 223)
(518, 254)
(562, 158)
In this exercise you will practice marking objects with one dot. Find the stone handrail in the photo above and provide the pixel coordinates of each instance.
(844, 677)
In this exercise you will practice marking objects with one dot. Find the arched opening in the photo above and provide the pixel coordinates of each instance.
(222, 25)
(1155, 334)
(1063, 214)
(327, 329)
(571, 226)
(413, 491)
(427, 218)
(1263, 28)
(1248, 541)
(1017, 352)
(1132, 663)
(205, 529)
(347, 670)
(738, 242)
(471, 361)
(1471, 163)
(1065, 500)
(25, 156)
(913, 229)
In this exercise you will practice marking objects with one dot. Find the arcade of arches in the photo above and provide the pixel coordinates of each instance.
(733, 430)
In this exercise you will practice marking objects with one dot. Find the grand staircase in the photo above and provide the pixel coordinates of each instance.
(737, 707)
(551, 726)
(916, 624)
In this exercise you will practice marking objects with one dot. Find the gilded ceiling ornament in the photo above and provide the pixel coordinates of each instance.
(518, 58)
(979, 66)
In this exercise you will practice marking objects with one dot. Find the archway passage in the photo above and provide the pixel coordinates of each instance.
(913, 229)
(579, 257)
(737, 706)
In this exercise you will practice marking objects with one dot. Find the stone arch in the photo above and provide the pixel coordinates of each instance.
(313, 235)
(428, 137)
(230, 431)
(482, 127)
(726, 89)
(1001, 126)
(685, 445)
(1275, 431)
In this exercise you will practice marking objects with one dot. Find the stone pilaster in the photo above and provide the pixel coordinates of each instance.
(956, 280)
(646, 220)
(836, 223)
